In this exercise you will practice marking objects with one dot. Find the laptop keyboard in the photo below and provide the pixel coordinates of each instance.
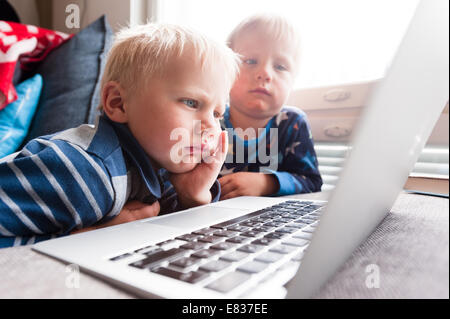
(224, 256)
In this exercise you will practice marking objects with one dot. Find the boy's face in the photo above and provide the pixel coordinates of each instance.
(186, 102)
(266, 75)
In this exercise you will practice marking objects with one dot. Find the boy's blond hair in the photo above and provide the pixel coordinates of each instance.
(142, 52)
(275, 26)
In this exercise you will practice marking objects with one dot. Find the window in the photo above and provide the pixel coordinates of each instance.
(342, 41)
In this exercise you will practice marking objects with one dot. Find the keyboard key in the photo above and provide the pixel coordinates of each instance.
(250, 248)
(238, 219)
(171, 244)
(263, 241)
(250, 224)
(147, 249)
(273, 224)
(150, 251)
(275, 235)
(204, 231)
(159, 257)
(253, 267)
(298, 257)
(314, 207)
(298, 242)
(190, 277)
(263, 229)
(121, 257)
(284, 220)
(309, 229)
(185, 262)
(283, 210)
(251, 233)
(238, 239)
(290, 216)
(305, 221)
(298, 214)
(304, 202)
(189, 237)
(303, 235)
(211, 239)
(269, 257)
(223, 246)
(205, 253)
(283, 249)
(235, 256)
(273, 215)
(194, 245)
(225, 233)
(215, 265)
(308, 209)
(296, 225)
(229, 281)
(287, 230)
(238, 228)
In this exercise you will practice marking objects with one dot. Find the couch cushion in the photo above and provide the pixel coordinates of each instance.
(71, 75)
(16, 117)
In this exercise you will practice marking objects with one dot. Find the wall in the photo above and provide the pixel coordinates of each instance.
(27, 11)
(119, 13)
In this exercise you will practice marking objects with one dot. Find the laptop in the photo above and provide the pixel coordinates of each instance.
(252, 247)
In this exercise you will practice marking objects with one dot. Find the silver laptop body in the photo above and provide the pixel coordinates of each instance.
(146, 256)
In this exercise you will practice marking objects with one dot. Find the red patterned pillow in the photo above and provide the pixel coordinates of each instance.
(25, 44)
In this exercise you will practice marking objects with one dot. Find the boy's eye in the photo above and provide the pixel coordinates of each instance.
(218, 115)
(280, 67)
(190, 103)
(250, 61)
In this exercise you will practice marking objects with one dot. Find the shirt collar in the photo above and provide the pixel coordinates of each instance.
(138, 157)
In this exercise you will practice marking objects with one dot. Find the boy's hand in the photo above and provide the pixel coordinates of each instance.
(131, 211)
(247, 184)
(193, 187)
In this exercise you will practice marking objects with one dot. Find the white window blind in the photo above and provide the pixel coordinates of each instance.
(432, 162)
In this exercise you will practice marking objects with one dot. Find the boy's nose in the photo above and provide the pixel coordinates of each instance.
(264, 74)
(207, 122)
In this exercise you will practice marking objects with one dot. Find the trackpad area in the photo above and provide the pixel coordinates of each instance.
(198, 218)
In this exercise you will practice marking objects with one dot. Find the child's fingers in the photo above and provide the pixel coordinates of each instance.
(133, 205)
(146, 211)
(231, 194)
(223, 147)
(228, 188)
(225, 180)
(218, 157)
(224, 143)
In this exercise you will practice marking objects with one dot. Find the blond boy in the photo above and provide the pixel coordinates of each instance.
(157, 146)
(271, 148)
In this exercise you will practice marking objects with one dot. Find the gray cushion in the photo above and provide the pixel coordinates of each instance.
(71, 75)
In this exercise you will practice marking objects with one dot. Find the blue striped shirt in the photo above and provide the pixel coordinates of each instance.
(77, 178)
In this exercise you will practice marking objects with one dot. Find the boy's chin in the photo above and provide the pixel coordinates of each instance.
(182, 167)
(261, 111)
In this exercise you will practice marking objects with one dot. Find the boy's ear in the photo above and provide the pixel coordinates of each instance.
(113, 99)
